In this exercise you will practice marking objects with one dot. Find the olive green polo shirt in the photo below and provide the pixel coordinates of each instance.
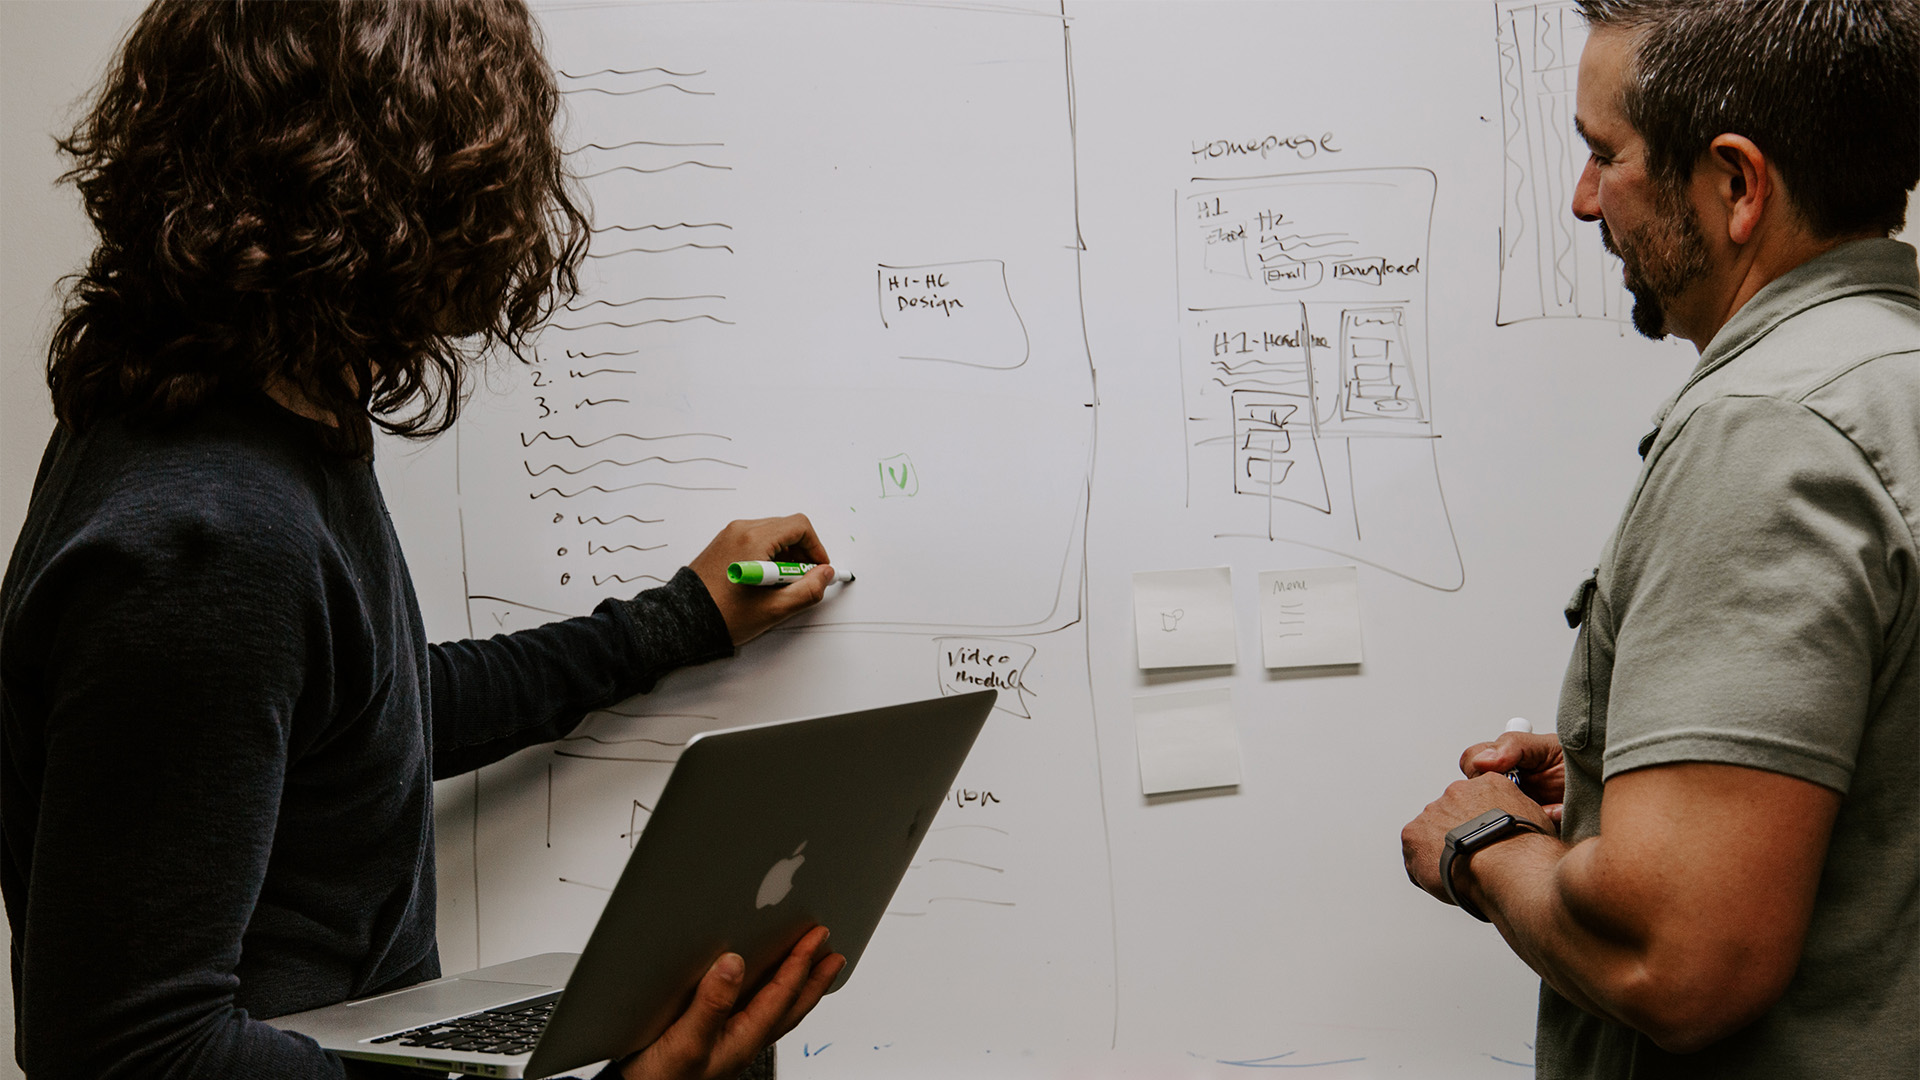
(1759, 605)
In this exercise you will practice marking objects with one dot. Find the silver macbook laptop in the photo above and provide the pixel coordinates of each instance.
(761, 834)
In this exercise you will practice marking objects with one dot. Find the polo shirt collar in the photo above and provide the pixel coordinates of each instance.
(1876, 265)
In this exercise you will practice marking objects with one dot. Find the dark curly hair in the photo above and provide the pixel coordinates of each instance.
(353, 200)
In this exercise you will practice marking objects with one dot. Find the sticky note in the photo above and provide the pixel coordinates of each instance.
(1184, 618)
(1186, 741)
(1310, 617)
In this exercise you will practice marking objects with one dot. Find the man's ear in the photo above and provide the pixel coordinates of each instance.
(1742, 185)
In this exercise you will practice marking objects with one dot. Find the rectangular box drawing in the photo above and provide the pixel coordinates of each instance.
(1551, 264)
(1275, 453)
(1377, 367)
(1303, 311)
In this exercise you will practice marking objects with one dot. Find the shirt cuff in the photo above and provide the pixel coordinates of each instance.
(677, 624)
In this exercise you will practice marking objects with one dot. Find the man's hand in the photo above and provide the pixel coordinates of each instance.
(1543, 772)
(711, 1041)
(751, 610)
(1425, 836)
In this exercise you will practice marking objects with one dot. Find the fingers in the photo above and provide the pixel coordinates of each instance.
(801, 539)
(686, 1048)
(765, 1018)
(749, 610)
(1483, 757)
(825, 970)
(790, 537)
(791, 599)
(1423, 838)
(1519, 750)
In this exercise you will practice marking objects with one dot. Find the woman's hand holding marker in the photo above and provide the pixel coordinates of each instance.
(751, 611)
(761, 572)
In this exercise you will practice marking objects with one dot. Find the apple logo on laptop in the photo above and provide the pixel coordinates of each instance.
(779, 880)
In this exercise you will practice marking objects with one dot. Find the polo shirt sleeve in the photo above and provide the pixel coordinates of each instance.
(1755, 591)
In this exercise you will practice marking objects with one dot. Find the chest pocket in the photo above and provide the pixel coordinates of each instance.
(1583, 696)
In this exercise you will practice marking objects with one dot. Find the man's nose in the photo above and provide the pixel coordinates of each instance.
(1586, 193)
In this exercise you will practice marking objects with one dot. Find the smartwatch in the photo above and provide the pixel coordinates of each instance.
(1470, 836)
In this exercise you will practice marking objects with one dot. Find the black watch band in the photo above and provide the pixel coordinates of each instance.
(1470, 836)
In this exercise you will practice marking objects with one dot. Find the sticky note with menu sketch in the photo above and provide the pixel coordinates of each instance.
(1186, 741)
(1184, 618)
(1310, 617)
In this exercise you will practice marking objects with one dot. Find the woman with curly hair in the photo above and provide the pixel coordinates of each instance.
(220, 719)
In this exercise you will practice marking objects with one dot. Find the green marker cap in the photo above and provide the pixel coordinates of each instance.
(747, 573)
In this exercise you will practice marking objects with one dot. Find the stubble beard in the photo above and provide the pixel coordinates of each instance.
(1660, 259)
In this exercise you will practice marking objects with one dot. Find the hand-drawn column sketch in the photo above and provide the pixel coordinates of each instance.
(1304, 364)
(1550, 266)
(725, 359)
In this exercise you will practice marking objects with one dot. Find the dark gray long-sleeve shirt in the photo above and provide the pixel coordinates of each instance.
(219, 726)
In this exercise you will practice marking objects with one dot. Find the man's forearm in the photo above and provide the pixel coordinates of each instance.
(1518, 884)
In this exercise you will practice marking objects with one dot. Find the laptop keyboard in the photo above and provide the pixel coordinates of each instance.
(509, 1029)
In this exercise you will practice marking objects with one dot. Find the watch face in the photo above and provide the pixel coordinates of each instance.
(1469, 834)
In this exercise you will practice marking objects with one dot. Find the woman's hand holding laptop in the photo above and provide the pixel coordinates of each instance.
(711, 1040)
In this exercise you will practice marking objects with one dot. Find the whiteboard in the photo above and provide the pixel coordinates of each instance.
(1041, 301)
(1015, 300)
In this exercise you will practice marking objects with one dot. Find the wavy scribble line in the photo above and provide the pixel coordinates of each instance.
(588, 403)
(1284, 246)
(630, 71)
(642, 322)
(641, 300)
(662, 228)
(604, 148)
(626, 487)
(659, 251)
(528, 440)
(1274, 1062)
(602, 371)
(597, 520)
(623, 464)
(641, 90)
(576, 355)
(649, 172)
(605, 550)
(625, 580)
(968, 862)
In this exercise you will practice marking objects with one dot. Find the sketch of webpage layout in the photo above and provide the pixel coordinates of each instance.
(859, 301)
(1304, 364)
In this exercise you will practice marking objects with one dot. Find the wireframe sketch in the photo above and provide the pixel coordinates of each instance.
(955, 313)
(1551, 264)
(1304, 365)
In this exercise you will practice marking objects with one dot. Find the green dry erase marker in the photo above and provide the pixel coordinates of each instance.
(776, 573)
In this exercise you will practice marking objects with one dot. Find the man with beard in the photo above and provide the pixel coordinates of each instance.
(1715, 863)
